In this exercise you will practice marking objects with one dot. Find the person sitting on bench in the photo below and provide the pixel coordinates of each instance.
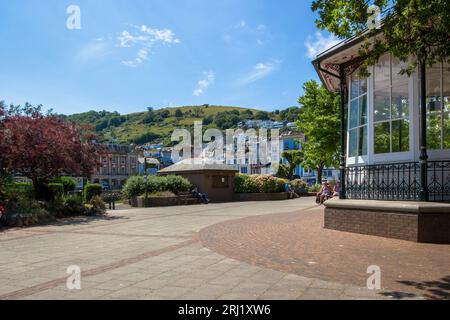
(202, 197)
(324, 194)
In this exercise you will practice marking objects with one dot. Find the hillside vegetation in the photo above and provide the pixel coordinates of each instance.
(156, 126)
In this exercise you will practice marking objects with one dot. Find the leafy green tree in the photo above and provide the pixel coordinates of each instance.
(294, 158)
(319, 120)
(417, 30)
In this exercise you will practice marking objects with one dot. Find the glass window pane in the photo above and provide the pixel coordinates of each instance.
(355, 88)
(362, 143)
(382, 104)
(354, 114)
(400, 136)
(363, 110)
(434, 102)
(447, 130)
(382, 138)
(434, 131)
(383, 72)
(353, 143)
(363, 86)
(400, 103)
(446, 87)
(397, 67)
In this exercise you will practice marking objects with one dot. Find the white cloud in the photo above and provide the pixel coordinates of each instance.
(202, 85)
(259, 71)
(243, 32)
(141, 56)
(145, 38)
(93, 50)
(319, 44)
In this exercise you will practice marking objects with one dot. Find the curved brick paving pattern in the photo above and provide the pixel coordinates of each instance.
(297, 243)
(155, 253)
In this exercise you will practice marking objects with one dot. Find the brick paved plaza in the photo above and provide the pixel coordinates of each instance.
(200, 252)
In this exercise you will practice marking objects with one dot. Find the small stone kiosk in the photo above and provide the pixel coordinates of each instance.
(214, 179)
(395, 156)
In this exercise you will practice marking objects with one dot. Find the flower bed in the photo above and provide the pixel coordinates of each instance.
(244, 183)
(21, 208)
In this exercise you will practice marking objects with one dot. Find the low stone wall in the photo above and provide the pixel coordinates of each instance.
(419, 222)
(261, 196)
(162, 201)
(382, 224)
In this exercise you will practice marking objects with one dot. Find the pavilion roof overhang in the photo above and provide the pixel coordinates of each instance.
(344, 55)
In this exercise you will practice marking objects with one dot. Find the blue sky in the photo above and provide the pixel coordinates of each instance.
(133, 54)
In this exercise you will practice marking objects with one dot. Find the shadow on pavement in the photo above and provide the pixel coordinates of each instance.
(439, 289)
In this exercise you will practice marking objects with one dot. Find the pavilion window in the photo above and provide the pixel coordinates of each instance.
(391, 106)
(358, 117)
(438, 106)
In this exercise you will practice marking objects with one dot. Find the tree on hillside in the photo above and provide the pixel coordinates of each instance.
(290, 114)
(179, 113)
(417, 30)
(43, 147)
(227, 119)
(247, 114)
(164, 113)
(319, 120)
(262, 115)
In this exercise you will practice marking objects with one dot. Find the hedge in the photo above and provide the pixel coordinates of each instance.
(56, 190)
(68, 183)
(135, 186)
(26, 188)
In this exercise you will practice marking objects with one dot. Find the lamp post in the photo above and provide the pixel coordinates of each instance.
(423, 192)
(146, 182)
(342, 164)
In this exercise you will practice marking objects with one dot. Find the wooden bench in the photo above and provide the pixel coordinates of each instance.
(187, 198)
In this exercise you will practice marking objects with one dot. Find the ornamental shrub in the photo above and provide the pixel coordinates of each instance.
(315, 188)
(56, 190)
(134, 187)
(68, 183)
(244, 183)
(96, 206)
(177, 184)
(91, 190)
(258, 184)
(73, 205)
(24, 188)
(156, 184)
(299, 186)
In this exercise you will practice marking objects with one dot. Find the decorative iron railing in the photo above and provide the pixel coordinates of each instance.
(398, 181)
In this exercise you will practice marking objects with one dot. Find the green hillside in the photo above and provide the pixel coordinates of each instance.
(156, 126)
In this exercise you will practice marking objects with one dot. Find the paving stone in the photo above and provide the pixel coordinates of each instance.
(321, 294)
(154, 253)
(171, 292)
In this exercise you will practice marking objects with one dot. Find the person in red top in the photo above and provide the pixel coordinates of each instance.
(2, 215)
